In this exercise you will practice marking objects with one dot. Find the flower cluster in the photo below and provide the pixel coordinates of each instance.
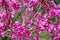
(31, 21)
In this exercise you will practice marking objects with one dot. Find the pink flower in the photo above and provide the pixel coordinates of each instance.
(12, 13)
(2, 25)
(36, 38)
(35, 1)
(0, 1)
(57, 37)
(2, 34)
(3, 15)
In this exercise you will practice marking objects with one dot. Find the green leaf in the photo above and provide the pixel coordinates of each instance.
(16, 17)
(5, 38)
(33, 33)
(44, 35)
(1, 8)
(43, 11)
(53, 19)
(57, 1)
(23, 10)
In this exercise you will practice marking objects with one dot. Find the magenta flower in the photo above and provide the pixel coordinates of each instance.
(28, 19)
